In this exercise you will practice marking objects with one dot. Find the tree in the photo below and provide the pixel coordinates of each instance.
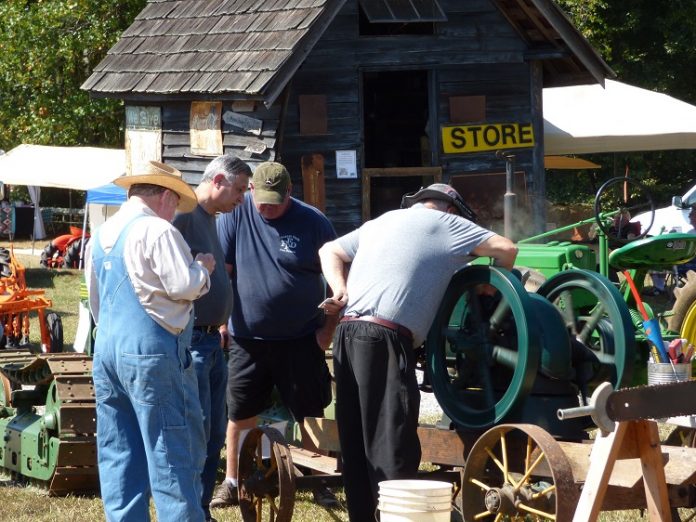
(648, 43)
(48, 48)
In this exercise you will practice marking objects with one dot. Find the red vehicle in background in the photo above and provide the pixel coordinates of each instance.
(64, 251)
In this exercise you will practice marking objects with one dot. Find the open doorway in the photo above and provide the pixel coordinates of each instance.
(395, 116)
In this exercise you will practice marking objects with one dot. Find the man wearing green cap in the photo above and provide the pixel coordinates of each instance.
(271, 245)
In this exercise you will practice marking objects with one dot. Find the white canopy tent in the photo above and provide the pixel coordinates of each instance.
(79, 168)
(587, 119)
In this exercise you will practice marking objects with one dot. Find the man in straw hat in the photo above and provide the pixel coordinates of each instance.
(399, 266)
(221, 189)
(142, 281)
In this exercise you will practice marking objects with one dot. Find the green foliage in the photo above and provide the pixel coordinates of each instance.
(48, 48)
(648, 43)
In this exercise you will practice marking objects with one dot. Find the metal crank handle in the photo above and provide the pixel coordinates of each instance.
(597, 409)
(574, 413)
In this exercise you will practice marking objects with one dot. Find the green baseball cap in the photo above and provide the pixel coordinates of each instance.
(271, 182)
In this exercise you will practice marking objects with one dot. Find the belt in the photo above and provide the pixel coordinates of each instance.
(401, 330)
(210, 328)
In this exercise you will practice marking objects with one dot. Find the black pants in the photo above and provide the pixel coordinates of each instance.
(377, 401)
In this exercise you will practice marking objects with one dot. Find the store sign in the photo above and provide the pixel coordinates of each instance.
(482, 137)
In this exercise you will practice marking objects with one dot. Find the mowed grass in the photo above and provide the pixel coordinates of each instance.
(23, 502)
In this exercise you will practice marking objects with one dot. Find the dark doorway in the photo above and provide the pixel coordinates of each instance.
(395, 117)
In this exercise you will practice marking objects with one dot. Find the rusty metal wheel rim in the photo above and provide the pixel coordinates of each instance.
(266, 481)
(501, 484)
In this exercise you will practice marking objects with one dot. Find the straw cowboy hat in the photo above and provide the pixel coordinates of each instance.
(156, 173)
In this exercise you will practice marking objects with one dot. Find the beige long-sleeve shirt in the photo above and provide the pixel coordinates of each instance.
(164, 275)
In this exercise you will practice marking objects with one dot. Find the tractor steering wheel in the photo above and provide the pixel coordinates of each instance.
(616, 203)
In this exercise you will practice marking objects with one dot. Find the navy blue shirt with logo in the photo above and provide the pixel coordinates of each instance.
(276, 276)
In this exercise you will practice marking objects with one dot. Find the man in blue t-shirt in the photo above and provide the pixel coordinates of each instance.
(271, 245)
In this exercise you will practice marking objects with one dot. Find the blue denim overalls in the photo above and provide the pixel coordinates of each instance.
(149, 424)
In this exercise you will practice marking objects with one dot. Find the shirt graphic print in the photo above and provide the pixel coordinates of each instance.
(289, 243)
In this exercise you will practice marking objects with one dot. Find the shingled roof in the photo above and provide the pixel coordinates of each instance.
(217, 47)
(251, 48)
(567, 57)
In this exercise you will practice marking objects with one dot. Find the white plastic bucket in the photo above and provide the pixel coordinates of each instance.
(415, 501)
(662, 373)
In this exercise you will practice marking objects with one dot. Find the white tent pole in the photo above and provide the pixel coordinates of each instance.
(80, 265)
(38, 231)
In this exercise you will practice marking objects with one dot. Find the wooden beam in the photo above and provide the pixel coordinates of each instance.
(313, 461)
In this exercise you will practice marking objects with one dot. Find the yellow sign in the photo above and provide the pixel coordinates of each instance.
(486, 136)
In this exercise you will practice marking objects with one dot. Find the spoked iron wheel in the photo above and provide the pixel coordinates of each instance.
(616, 203)
(599, 324)
(518, 472)
(266, 483)
(483, 350)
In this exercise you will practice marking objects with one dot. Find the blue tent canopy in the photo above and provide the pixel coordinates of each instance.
(109, 194)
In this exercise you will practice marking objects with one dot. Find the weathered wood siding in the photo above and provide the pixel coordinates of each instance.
(176, 140)
(475, 53)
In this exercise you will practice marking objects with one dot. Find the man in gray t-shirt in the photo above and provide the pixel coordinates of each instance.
(400, 266)
(221, 189)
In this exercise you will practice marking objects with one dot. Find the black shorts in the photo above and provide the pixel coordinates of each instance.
(296, 367)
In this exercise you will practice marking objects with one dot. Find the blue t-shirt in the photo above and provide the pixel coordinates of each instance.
(276, 277)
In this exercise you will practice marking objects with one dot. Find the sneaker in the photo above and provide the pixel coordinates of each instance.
(325, 498)
(225, 495)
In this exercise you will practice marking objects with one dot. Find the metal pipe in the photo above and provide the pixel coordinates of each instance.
(510, 198)
(573, 413)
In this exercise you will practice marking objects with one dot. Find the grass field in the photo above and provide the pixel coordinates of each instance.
(20, 502)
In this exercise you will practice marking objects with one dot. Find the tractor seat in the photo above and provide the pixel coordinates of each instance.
(658, 252)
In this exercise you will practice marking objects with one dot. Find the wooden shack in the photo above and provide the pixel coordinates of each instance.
(362, 100)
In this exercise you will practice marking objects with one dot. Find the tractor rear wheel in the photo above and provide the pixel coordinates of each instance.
(48, 255)
(55, 331)
(685, 297)
(72, 254)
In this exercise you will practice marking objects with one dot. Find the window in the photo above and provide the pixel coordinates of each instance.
(399, 17)
(401, 11)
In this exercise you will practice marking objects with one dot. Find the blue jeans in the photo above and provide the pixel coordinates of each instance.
(149, 432)
(149, 425)
(211, 369)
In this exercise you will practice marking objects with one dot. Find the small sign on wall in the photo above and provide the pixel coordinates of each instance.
(143, 137)
(346, 164)
(246, 123)
(206, 133)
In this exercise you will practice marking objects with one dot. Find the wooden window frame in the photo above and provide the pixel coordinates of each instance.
(369, 173)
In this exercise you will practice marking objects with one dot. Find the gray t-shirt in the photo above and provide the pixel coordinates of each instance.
(403, 262)
(199, 231)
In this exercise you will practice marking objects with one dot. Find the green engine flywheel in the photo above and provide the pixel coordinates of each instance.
(598, 320)
(483, 350)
